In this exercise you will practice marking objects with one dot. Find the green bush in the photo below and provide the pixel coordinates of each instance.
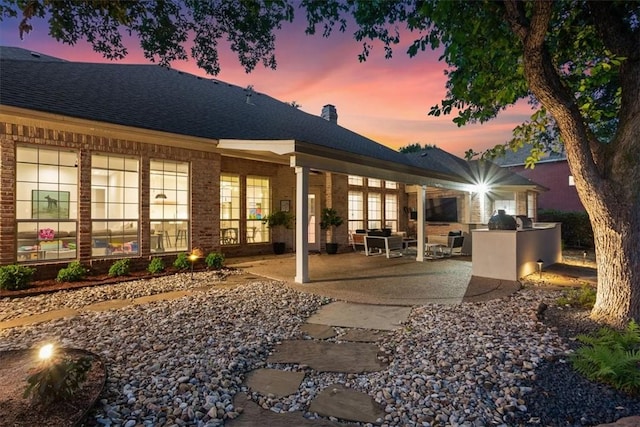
(214, 260)
(156, 266)
(121, 267)
(72, 273)
(612, 357)
(182, 262)
(15, 277)
(576, 228)
(585, 297)
(58, 380)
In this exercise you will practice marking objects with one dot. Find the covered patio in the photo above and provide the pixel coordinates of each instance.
(377, 280)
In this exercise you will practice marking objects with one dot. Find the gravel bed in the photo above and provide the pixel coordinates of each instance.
(181, 362)
(24, 306)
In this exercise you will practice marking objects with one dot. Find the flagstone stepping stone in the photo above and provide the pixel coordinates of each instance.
(347, 404)
(324, 356)
(253, 415)
(274, 381)
(319, 332)
(366, 316)
(38, 318)
(362, 335)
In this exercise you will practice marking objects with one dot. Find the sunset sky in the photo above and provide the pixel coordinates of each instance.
(386, 100)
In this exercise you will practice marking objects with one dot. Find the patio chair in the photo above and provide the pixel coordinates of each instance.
(454, 247)
(357, 241)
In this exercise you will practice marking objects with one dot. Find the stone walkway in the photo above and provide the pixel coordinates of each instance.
(356, 352)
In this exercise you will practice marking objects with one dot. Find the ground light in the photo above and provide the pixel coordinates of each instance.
(46, 352)
(540, 262)
(193, 258)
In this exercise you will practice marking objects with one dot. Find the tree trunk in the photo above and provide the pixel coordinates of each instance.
(617, 241)
(607, 176)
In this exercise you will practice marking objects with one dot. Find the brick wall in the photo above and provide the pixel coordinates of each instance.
(555, 176)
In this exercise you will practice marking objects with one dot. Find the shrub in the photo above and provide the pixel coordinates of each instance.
(576, 228)
(15, 277)
(214, 260)
(156, 266)
(182, 262)
(58, 380)
(121, 267)
(72, 273)
(612, 357)
(585, 297)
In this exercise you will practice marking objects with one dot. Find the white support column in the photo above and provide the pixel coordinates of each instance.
(302, 224)
(422, 239)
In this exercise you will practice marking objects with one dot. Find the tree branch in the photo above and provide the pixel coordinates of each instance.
(547, 86)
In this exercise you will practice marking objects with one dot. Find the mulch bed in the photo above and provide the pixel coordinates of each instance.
(16, 410)
(51, 285)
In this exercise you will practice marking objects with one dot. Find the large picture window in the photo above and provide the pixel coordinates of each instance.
(258, 206)
(46, 204)
(169, 205)
(115, 182)
(230, 211)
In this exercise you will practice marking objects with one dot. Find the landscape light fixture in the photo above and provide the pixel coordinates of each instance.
(193, 258)
(45, 353)
(540, 262)
(161, 196)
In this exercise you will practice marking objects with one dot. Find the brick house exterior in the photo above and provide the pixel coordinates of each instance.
(145, 162)
(551, 172)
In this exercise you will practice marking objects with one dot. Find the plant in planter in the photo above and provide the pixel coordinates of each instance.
(329, 220)
(278, 222)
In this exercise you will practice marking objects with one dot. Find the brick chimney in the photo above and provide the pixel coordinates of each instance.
(330, 113)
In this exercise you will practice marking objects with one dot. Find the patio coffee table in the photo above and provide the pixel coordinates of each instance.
(434, 250)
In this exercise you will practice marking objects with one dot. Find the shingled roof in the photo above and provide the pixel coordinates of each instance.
(157, 98)
(161, 99)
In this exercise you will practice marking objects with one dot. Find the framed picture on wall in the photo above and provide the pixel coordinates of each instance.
(49, 204)
(285, 205)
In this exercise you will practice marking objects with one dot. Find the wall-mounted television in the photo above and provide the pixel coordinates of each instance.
(442, 210)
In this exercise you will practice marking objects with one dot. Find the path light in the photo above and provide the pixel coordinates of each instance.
(540, 262)
(193, 257)
(46, 352)
(584, 257)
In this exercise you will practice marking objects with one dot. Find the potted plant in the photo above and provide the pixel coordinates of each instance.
(278, 221)
(329, 219)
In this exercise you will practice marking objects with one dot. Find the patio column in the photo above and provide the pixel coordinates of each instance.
(302, 224)
(422, 194)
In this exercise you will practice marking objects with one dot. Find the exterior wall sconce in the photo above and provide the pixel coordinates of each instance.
(540, 262)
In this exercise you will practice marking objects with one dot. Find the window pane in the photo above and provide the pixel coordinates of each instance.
(230, 211)
(169, 205)
(257, 202)
(374, 210)
(356, 211)
(355, 180)
(115, 205)
(46, 204)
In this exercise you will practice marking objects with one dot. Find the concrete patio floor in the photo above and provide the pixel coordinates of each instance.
(364, 279)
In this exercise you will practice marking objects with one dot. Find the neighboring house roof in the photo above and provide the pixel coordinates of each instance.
(160, 99)
(518, 157)
(474, 172)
